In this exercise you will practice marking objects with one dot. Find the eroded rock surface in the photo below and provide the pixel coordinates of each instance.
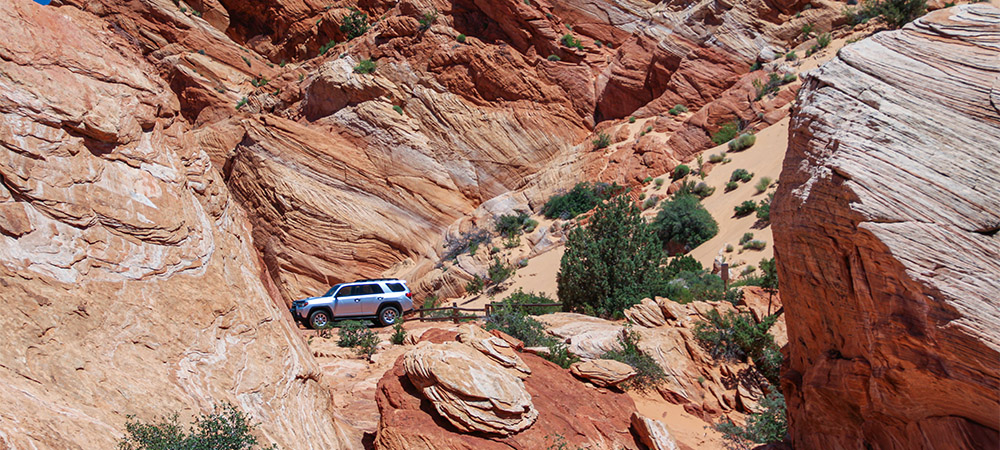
(885, 232)
(603, 372)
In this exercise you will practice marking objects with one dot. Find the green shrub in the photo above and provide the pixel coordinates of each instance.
(649, 374)
(571, 42)
(398, 333)
(460, 38)
(895, 13)
(764, 208)
(631, 119)
(529, 225)
(499, 271)
(702, 190)
(729, 248)
(772, 85)
(717, 158)
(755, 244)
(475, 285)
(582, 198)
(508, 316)
(735, 336)
(807, 29)
(398, 109)
(731, 186)
(650, 202)
(554, 58)
(658, 182)
(681, 171)
(559, 354)
(602, 141)
(354, 24)
(726, 133)
(691, 285)
(741, 175)
(766, 427)
(351, 332)
(365, 66)
(763, 184)
(684, 222)
(745, 208)
(743, 142)
(678, 110)
(225, 428)
(647, 180)
(683, 263)
(367, 343)
(428, 19)
(247, 60)
(243, 102)
(747, 237)
(326, 47)
(599, 44)
(610, 264)
(520, 297)
(466, 242)
(510, 225)
(791, 56)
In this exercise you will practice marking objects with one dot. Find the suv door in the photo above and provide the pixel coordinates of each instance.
(349, 301)
(374, 294)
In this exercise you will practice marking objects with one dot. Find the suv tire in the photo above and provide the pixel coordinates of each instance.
(388, 315)
(319, 319)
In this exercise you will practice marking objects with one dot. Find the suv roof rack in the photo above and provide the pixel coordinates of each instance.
(377, 279)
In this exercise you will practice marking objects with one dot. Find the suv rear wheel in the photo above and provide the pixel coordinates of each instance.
(388, 315)
(319, 319)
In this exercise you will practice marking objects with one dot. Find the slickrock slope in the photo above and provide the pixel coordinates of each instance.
(886, 225)
(126, 279)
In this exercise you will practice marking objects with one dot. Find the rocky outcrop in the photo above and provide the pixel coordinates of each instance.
(127, 278)
(494, 347)
(885, 228)
(463, 380)
(602, 372)
(653, 433)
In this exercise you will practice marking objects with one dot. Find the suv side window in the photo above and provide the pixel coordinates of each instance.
(348, 291)
(372, 289)
(395, 287)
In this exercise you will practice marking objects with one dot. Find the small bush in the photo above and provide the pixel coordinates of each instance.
(647, 180)
(428, 19)
(678, 110)
(791, 56)
(510, 225)
(807, 29)
(765, 427)
(731, 186)
(398, 109)
(763, 184)
(631, 119)
(743, 142)
(499, 271)
(726, 133)
(465, 242)
(734, 336)
(225, 428)
(398, 333)
(649, 374)
(823, 40)
(530, 225)
(571, 42)
(717, 158)
(365, 66)
(772, 85)
(475, 285)
(602, 141)
(741, 175)
(650, 202)
(658, 182)
(326, 47)
(350, 333)
(599, 44)
(764, 212)
(729, 248)
(745, 208)
(681, 171)
(367, 343)
(684, 222)
(354, 24)
(755, 244)
(243, 102)
(582, 198)
(895, 13)
(554, 58)
(560, 355)
(511, 318)
(247, 60)
(747, 237)
(702, 190)
(460, 38)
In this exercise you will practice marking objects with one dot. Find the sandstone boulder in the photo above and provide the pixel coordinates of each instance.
(586, 336)
(496, 348)
(653, 433)
(646, 313)
(603, 372)
(885, 226)
(466, 388)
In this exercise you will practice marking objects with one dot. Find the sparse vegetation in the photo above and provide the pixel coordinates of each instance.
(554, 58)
(247, 60)
(791, 56)
(225, 428)
(354, 24)
(755, 244)
(427, 19)
(762, 184)
(741, 175)
(822, 41)
(465, 242)
(717, 158)
(582, 198)
(602, 141)
(398, 109)
(510, 317)
(259, 82)
(610, 264)
(742, 142)
(699, 189)
(773, 84)
(764, 208)
(326, 47)
(738, 337)
(475, 285)
(398, 333)
(658, 182)
(365, 66)
(807, 29)
(731, 186)
(767, 426)
(649, 374)
(499, 271)
(460, 38)
(726, 133)
(745, 208)
(572, 42)
(650, 202)
(243, 102)
(747, 237)
(678, 110)
(895, 13)
(683, 223)
(350, 333)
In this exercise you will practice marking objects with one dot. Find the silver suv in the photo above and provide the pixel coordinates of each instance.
(382, 299)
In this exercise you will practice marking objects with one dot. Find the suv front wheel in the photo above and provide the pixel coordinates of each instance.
(319, 319)
(388, 315)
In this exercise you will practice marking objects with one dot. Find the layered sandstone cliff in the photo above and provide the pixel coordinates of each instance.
(885, 228)
(127, 280)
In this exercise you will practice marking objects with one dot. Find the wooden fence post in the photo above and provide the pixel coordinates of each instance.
(421, 314)
(454, 312)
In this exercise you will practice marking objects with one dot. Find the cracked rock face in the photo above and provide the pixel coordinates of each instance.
(885, 231)
(466, 388)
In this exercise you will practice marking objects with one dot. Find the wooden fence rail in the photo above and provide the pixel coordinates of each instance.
(455, 316)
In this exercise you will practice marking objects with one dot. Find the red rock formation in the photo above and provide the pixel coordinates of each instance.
(885, 228)
(128, 283)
